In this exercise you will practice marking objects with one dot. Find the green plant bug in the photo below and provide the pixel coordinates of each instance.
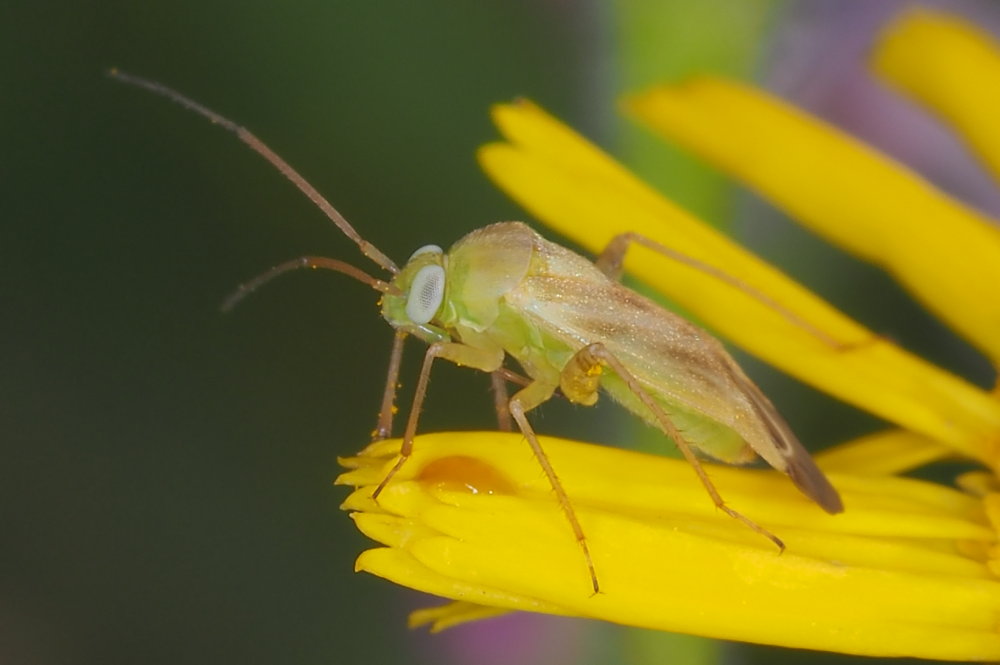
(504, 291)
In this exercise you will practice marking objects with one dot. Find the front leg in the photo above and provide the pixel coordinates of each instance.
(383, 429)
(487, 360)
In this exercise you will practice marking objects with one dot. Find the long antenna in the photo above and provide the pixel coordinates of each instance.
(315, 262)
(258, 146)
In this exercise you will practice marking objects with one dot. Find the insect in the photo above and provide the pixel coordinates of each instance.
(504, 291)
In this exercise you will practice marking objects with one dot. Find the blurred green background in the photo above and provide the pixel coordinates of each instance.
(165, 481)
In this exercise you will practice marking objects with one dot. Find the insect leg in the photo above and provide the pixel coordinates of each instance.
(500, 400)
(611, 260)
(525, 400)
(383, 429)
(487, 360)
(581, 374)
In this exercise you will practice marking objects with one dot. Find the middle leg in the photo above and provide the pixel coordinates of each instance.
(523, 401)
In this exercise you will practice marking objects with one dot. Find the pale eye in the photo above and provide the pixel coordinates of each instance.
(426, 249)
(426, 294)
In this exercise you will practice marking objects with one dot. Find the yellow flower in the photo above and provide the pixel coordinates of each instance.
(910, 567)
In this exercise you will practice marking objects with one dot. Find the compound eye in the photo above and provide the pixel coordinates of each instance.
(426, 249)
(426, 294)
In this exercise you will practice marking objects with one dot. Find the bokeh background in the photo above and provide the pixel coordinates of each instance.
(165, 471)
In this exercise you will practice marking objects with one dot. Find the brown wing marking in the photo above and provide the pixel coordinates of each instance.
(799, 465)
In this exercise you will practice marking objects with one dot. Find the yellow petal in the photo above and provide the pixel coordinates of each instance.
(882, 453)
(978, 483)
(451, 614)
(945, 253)
(584, 194)
(884, 578)
(952, 67)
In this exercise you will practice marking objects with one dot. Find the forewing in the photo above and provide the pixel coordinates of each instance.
(793, 458)
(675, 360)
(678, 362)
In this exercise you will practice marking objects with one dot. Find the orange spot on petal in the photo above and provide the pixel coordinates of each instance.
(465, 474)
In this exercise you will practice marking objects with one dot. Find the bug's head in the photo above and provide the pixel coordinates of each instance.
(418, 300)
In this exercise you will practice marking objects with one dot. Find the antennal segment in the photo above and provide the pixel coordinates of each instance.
(258, 146)
(305, 262)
